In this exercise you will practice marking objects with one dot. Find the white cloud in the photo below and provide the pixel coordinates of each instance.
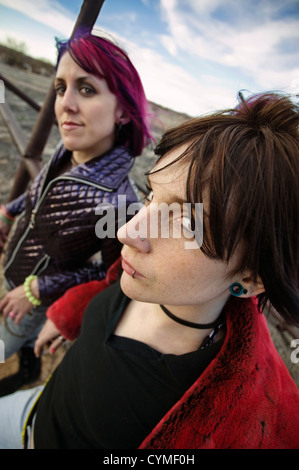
(249, 48)
(165, 83)
(50, 13)
(253, 43)
(169, 44)
(174, 88)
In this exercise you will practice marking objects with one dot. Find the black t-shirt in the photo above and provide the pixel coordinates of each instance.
(109, 392)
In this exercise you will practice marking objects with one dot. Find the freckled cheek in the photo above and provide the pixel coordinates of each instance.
(172, 266)
(186, 269)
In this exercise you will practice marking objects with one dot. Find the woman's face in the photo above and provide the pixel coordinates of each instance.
(167, 272)
(85, 109)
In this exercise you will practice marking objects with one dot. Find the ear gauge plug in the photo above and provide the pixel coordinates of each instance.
(237, 289)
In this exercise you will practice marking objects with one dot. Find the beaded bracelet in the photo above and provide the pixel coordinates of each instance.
(5, 216)
(6, 220)
(28, 292)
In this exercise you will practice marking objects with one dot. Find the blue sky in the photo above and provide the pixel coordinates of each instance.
(193, 55)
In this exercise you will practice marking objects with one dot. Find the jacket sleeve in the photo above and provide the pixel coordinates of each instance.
(53, 286)
(67, 312)
(16, 206)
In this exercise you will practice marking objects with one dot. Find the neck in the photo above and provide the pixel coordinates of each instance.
(147, 323)
(82, 156)
(78, 159)
(202, 313)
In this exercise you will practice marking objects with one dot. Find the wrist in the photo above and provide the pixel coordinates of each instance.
(31, 290)
(5, 216)
(34, 288)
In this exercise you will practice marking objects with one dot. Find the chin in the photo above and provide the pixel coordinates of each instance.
(132, 289)
(71, 143)
(127, 286)
(68, 145)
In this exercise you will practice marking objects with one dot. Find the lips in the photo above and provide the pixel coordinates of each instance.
(70, 125)
(129, 269)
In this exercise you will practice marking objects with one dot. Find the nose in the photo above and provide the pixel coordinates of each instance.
(134, 232)
(68, 101)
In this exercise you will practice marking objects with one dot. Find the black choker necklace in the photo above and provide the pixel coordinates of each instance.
(200, 326)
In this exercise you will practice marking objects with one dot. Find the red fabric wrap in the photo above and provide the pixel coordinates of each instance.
(245, 399)
(67, 312)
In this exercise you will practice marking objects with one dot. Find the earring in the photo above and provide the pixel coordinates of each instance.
(237, 289)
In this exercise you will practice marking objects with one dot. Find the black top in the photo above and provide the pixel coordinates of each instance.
(109, 392)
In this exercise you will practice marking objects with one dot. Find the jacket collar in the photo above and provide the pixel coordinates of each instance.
(109, 170)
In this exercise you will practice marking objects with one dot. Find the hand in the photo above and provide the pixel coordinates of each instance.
(15, 304)
(49, 335)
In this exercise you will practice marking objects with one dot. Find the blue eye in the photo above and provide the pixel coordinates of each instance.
(87, 90)
(186, 223)
(60, 90)
(149, 197)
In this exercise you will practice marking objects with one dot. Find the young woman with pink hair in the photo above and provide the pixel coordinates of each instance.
(101, 110)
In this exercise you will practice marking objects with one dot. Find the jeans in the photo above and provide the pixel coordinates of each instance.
(15, 337)
(14, 410)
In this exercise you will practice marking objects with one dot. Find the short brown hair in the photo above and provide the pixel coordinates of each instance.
(247, 159)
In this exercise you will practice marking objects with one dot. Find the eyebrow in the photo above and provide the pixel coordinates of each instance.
(78, 80)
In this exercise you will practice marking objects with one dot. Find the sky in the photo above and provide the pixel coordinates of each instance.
(193, 56)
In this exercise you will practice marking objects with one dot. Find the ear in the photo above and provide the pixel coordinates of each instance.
(121, 116)
(253, 286)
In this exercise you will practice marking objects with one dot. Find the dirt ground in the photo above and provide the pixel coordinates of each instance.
(36, 86)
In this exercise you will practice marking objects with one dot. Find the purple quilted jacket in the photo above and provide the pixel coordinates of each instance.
(54, 236)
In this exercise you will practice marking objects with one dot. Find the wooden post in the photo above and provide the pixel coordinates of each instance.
(32, 167)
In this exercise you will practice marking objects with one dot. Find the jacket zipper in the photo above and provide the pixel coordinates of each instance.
(44, 193)
(41, 265)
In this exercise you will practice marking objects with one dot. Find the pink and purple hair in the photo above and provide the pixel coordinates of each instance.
(102, 58)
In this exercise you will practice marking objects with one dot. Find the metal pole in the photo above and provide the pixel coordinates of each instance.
(87, 17)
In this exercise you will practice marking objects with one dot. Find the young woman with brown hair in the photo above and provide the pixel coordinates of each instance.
(177, 354)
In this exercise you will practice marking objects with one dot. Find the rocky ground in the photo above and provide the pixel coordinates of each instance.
(36, 86)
